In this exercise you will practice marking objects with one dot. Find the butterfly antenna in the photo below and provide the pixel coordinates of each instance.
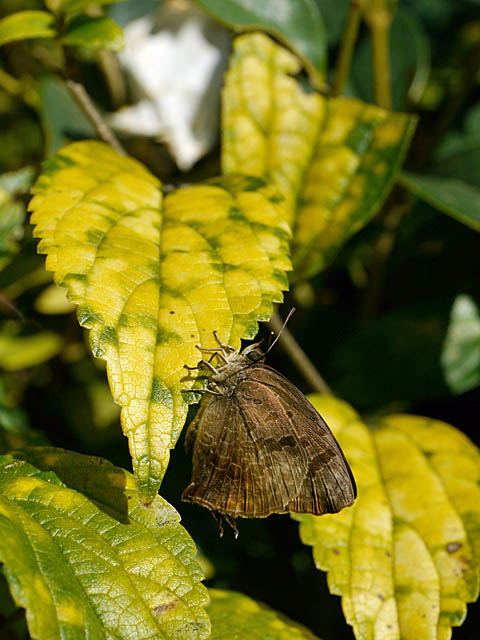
(272, 333)
(292, 311)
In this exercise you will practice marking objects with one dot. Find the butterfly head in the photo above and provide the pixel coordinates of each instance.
(253, 353)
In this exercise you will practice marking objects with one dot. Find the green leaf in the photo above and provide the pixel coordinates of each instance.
(71, 7)
(234, 615)
(85, 559)
(298, 23)
(27, 24)
(405, 557)
(333, 160)
(461, 351)
(153, 279)
(95, 33)
(449, 195)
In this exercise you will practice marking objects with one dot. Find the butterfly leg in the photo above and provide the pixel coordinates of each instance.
(218, 517)
(224, 347)
(212, 393)
(233, 523)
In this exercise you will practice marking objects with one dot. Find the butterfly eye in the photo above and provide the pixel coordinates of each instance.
(255, 355)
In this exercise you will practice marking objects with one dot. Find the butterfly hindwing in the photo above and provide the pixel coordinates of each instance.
(327, 481)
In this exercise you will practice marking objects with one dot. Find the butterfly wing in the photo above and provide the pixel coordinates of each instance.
(234, 472)
(328, 484)
(266, 450)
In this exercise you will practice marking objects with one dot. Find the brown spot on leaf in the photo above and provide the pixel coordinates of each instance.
(336, 552)
(388, 554)
(381, 596)
(453, 546)
(172, 312)
(163, 608)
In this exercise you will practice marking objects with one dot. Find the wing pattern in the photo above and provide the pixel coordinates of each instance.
(265, 450)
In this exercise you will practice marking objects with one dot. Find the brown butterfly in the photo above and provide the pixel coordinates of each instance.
(259, 446)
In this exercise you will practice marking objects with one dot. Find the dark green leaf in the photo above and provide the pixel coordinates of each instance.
(449, 195)
(62, 118)
(77, 6)
(334, 15)
(297, 23)
(472, 120)
(461, 162)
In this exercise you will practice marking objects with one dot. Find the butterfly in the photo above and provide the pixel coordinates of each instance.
(259, 446)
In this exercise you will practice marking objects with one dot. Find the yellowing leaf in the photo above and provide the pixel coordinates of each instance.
(234, 615)
(86, 560)
(334, 160)
(405, 556)
(153, 280)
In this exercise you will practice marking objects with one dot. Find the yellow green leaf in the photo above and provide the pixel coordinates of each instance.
(334, 160)
(12, 211)
(405, 556)
(12, 215)
(234, 615)
(27, 24)
(153, 279)
(20, 352)
(86, 560)
(94, 33)
(53, 300)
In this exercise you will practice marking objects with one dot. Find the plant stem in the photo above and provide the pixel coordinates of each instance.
(349, 38)
(298, 356)
(85, 102)
(379, 19)
(113, 75)
(381, 252)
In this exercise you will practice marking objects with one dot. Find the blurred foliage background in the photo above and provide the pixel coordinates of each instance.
(384, 323)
